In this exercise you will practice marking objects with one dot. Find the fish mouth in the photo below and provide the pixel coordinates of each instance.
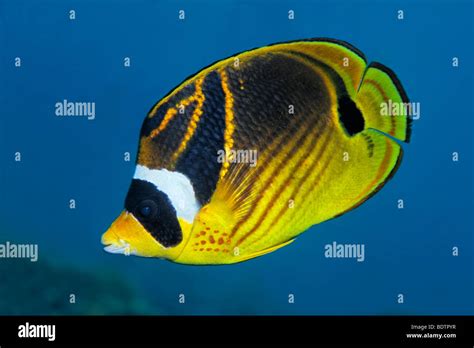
(113, 243)
(122, 247)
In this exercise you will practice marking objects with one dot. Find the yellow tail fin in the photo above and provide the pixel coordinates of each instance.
(384, 103)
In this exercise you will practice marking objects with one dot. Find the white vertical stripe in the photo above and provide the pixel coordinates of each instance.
(176, 186)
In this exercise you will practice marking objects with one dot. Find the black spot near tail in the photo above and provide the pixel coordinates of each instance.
(350, 116)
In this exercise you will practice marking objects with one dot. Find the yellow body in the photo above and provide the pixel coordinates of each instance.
(316, 176)
(314, 188)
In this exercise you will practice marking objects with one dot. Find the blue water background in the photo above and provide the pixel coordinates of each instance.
(408, 251)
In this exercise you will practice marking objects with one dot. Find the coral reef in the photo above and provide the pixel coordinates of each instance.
(41, 288)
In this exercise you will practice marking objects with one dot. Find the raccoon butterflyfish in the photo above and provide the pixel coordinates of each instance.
(253, 150)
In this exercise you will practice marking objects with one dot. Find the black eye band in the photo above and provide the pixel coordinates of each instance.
(154, 211)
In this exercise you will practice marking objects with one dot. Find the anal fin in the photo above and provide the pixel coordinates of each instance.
(264, 251)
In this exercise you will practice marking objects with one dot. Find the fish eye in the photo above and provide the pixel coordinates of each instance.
(147, 209)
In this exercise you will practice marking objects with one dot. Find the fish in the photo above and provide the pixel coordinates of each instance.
(307, 114)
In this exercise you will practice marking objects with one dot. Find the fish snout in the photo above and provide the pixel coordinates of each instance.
(112, 239)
